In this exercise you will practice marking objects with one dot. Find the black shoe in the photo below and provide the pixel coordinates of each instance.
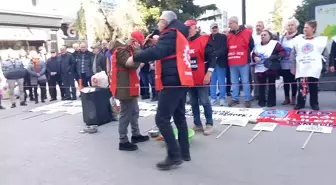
(31, 99)
(315, 107)
(23, 103)
(155, 98)
(145, 97)
(13, 105)
(298, 107)
(169, 164)
(1, 107)
(127, 146)
(262, 104)
(74, 98)
(42, 101)
(53, 99)
(139, 139)
(228, 94)
(271, 105)
(186, 158)
(65, 99)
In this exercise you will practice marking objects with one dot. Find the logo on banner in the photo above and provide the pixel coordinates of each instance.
(307, 48)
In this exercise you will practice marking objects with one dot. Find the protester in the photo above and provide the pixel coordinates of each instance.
(104, 48)
(203, 64)
(127, 76)
(98, 60)
(332, 59)
(310, 57)
(37, 71)
(75, 55)
(240, 43)
(267, 56)
(54, 76)
(14, 72)
(84, 65)
(171, 72)
(287, 41)
(67, 62)
(260, 26)
(219, 43)
(26, 81)
(43, 54)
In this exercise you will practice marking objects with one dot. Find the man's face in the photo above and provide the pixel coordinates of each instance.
(83, 47)
(104, 43)
(96, 51)
(162, 24)
(259, 27)
(291, 27)
(233, 25)
(53, 54)
(214, 30)
(192, 30)
(63, 50)
(75, 47)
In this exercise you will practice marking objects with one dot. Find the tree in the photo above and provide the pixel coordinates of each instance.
(80, 23)
(276, 18)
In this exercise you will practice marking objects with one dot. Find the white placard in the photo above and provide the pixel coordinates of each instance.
(236, 121)
(265, 126)
(145, 114)
(314, 128)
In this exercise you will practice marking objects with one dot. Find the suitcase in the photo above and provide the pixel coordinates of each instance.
(96, 106)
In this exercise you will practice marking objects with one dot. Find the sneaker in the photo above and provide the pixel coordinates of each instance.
(139, 139)
(168, 164)
(198, 128)
(221, 102)
(247, 104)
(233, 103)
(208, 130)
(213, 101)
(127, 146)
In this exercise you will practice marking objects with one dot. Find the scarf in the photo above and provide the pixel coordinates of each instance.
(289, 36)
(35, 62)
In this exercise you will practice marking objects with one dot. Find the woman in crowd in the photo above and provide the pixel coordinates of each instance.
(287, 42)
(309, 56)
(26, 82)
(267, 56)
(37, 70)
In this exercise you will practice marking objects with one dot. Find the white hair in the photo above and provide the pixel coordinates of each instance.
(293, 20)
(234, 19)
(169, 16)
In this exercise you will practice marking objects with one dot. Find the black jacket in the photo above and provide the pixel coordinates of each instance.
(67, 64)
(219, 44)
(53, 65)
(251, 42)
(100, 62)
(209, 54)
(166, 46)
(332, 61)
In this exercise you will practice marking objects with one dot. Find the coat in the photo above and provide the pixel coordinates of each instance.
(13, 69)
(123, 76)
(41, 68)
(84, 57)
(100, 63)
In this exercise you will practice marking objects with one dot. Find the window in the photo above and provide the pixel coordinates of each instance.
(34, 2)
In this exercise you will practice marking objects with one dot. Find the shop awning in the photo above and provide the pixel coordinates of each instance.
(22, 33)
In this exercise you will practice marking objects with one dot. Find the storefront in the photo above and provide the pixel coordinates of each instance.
(22, 30)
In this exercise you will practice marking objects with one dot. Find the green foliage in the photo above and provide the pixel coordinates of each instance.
(329, 31)
(149, 14)
(80, 23)
(277, 16)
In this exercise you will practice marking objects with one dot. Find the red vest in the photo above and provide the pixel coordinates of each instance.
(134, 81)
(197, 55)
(182, 62)
(239, 47)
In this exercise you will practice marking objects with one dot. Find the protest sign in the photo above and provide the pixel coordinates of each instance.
(302, 117)
(232, 121)
(263, 126)
(315, 128)
(276, 116)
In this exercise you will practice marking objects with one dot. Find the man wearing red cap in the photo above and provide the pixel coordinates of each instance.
(125, 86)
(203, 63)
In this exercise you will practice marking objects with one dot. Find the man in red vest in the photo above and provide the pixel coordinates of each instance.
(173, 76)
(203, 63)
(240, 44)
(125, 86)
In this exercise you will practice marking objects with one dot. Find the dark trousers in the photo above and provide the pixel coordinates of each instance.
(147, 79)
(86, 80)
(53, 81)
(172, 104)
(269, 78)
(27, 86)
(308, 85)
(69, 86)
(289, 82)
(228, 82)
(43, 90)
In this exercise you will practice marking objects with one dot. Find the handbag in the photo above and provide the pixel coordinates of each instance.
(273, 62)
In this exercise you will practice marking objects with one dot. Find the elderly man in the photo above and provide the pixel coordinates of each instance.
(84, 65)
(14, 71)
(240, 43)
(172, 71)
(98, 60)
(67, 63)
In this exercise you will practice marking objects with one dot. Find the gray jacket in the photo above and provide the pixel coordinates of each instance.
(13, 69)
(41, 68)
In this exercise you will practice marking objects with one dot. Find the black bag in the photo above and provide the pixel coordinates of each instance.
(273, 63)
(16, 73)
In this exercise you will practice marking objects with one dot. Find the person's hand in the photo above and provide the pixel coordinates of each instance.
(257, 59)
(207, 78)
(38, 74)
(136, 45)
(332, 69)
(129, 62)
(152, 67)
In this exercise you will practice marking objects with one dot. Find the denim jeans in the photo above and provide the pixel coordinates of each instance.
(218, 75)
(147, 79)
(200, 95)
(242, 72)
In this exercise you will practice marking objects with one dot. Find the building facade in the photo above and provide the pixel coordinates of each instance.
(28, 24)
(210, 16)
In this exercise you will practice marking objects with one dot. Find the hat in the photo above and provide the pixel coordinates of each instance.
(52, 51)
(139, 36)
(212, 25)
(190, 23)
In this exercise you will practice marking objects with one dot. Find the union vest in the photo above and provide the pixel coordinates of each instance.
(134, 81)
(182, 62)
(239, 47)
(197, 55)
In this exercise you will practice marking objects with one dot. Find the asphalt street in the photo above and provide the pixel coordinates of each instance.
(47, 149)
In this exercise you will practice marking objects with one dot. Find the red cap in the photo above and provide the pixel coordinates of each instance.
(190, 23)
(139, 36)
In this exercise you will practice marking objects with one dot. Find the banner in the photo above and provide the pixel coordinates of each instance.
(275, 116)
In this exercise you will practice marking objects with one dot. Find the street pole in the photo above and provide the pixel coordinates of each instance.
(244, 11)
